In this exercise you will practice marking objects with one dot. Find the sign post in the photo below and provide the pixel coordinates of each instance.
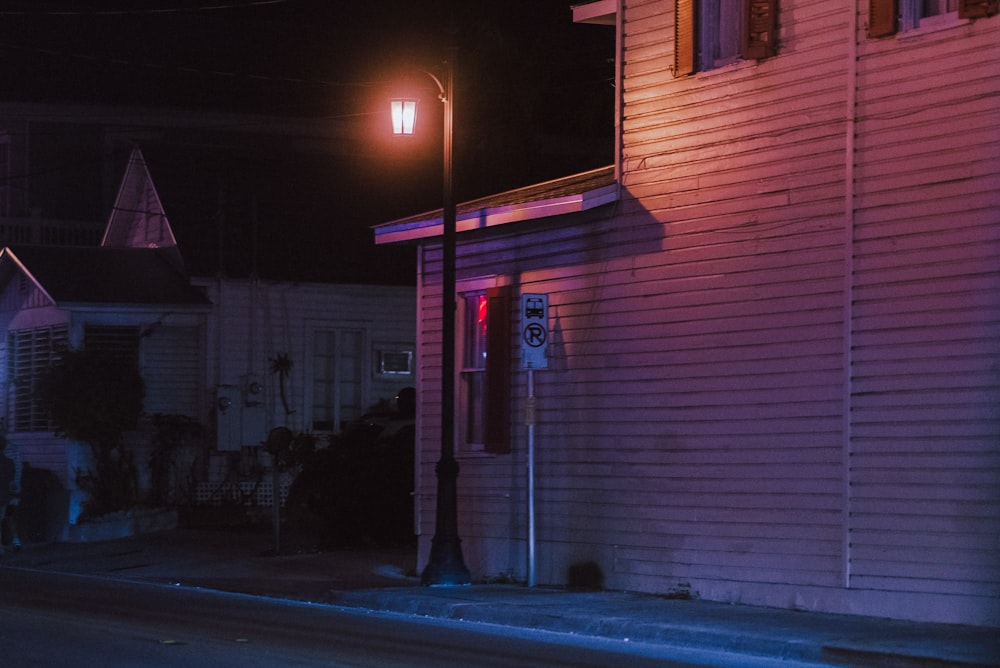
(534, 347)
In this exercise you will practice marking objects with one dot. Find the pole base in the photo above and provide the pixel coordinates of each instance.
(446, 567)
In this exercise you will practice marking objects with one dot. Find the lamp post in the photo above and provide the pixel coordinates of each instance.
(446, 566)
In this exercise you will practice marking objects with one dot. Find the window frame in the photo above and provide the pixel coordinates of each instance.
(492, 379)
(336, 383)
(700, 46)
(889, 17)
(121, 341)
(30, 353)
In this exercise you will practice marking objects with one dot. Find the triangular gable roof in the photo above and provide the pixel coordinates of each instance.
(569, 194)
(137, 219)
(71, 275)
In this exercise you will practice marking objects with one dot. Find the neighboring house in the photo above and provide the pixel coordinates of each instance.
(773, 362)
(294, 188)
(206, 347)
(132, 302)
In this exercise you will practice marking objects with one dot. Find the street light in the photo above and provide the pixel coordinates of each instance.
(404, 115)
(446, 566)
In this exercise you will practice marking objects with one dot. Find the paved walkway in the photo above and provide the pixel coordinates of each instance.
(245, 561)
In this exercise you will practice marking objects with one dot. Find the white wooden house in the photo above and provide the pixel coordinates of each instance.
(206, 347)
(773, 360)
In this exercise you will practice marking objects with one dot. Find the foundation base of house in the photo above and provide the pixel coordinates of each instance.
(121, 525)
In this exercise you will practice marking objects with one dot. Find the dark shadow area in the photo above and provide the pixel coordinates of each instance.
(359, 490)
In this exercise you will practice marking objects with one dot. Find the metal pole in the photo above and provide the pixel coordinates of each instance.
(446, 567)
(276, 502)
(530, 419)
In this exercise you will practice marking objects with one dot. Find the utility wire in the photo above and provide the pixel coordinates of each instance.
(186, 69)
(142, 12)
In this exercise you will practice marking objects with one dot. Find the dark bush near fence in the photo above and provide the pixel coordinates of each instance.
(358, 491)
(44, 506)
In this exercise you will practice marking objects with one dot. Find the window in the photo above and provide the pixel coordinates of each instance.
(713, 33)
(935, 7)
(394, 361)
(30, 353)
(978, 9)
(120, 342)
(484, 376)
(473, 372)
(337, 378)
(887, 17)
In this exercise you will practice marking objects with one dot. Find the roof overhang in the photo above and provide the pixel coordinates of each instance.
(573, 194)
(600, 12)
(7, 256)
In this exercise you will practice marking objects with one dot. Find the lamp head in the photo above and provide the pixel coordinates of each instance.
(404, 115)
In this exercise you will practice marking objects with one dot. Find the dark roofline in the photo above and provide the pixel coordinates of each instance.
(75, 276)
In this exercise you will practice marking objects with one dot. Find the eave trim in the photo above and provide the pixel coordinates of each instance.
(476, 219)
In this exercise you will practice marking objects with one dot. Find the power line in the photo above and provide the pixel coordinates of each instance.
(186, 69)
(145, 12)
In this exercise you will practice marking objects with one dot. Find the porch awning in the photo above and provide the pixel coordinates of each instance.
(570, 194)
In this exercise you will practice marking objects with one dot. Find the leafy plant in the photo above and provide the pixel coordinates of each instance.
(95, 397)
(281, 365)
(170, 434)
(290, 449)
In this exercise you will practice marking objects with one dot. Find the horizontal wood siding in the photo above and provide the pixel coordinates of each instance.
(729, 327)
(690, 423)
(44, 450)
(766, 383)
(925, 463)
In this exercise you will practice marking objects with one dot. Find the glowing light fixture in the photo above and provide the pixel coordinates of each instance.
(404, 115)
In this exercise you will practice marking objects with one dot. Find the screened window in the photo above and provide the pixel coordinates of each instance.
(936, 7)
(915, 12)
(121, 343)
(713, 33)
(31, 352)
(473, 373)
(887, 17)
(484, 376)
(337, 378)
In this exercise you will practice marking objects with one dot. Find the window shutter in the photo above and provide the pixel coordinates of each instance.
(882, 17)
(761, 39)
(498, 363)
(685, 43)
(978, 9)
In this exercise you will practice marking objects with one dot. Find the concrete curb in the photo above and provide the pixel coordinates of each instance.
(759, 632)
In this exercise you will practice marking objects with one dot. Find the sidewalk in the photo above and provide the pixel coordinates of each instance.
(244, 561)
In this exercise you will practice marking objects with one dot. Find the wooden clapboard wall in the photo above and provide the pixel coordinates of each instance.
(773, 362)
(925, 455)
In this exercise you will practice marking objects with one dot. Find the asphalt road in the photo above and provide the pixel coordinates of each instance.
(52, 620)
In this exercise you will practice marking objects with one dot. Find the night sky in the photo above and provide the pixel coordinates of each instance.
(533, 101)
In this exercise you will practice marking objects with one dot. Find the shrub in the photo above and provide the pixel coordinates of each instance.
(95, 397)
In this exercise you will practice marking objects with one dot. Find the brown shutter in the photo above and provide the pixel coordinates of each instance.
(882, 18)
(761, 38)
(498, 362)
(685, 44)
(978, 9)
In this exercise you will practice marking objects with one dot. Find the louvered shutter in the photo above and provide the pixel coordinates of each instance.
(498, 362)
(978, 9)
(685, 44)
(761, 39)
(882, 17)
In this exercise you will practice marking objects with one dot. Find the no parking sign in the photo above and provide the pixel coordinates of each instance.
(534, 330)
